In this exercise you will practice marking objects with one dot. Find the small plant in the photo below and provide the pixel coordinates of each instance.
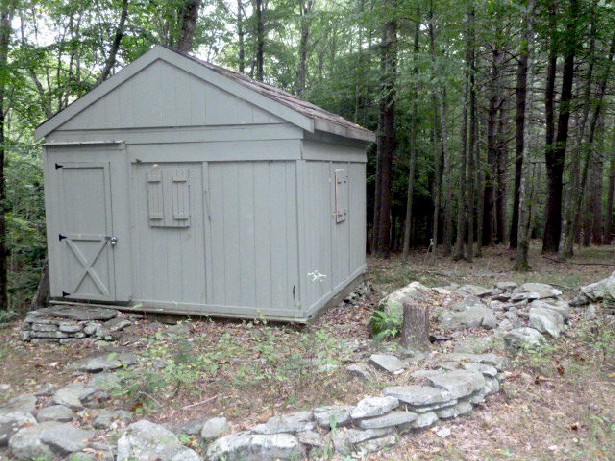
(385, 325)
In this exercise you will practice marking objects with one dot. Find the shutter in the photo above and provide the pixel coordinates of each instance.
(155, 197)
(341, 195)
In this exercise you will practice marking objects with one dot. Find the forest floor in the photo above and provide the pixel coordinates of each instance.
(555, 405)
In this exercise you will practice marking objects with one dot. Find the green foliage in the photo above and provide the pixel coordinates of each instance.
(385, 325)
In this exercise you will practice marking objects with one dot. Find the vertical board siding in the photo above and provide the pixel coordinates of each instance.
(357, 215)
(253, 234)
(163, 96)
(169, 262)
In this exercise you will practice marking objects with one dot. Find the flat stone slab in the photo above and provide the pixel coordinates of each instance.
(473, 317)
(27, 445)
(476, 290)
(22, 403)
(559, 306)
(58, 413)
(72, 395)
(214, 427)
(418, 396)
(247, 447)
(523, 337)
(345, 442)
(459, 383)
(300, 421)
(74, 313)
(374, 406)
(337, 415)
(392, 419)
(388, 363)
(425, 420)
(104, 361)
(543, 290)
(10, 423)
(66, 438)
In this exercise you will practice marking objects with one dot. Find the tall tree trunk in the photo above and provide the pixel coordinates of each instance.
(447, 237)
(470, 57)
(6, 15)
(387, 130)
(555, 158)
(115, 46)
(527, 97)
(305, 10)
(462, 211)
(241, 36)
(492, 147)
(188, 15)
(413, 147)
(260, 39)
(596, 190)
(501, 176)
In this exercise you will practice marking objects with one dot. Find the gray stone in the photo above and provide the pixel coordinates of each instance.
(599, 291)
(374, 445)
(506, 325)
(300, 421)
(392, 419)
(374, 406)
(247, 447)
(214, 427)
(10, 423)
(419, 374)
(112, 419)
(116, 324)
(311, 438)
(489, 321)
(546, 321)
(425, 420)
(75, 313)
(489, 359)
(474, 345)
(417, 396)
(65, 438)
(524, 296)
(505, 286)
(73, 395)
(388, 363)
(487, 370)
(459, 383)
(70, 327)
(147, 441)
(559, 306)
(41, 327)
(543, 290)
(464, 407)
(58, 413)
(473, 317)
(338, 415)
(48, 335)
(101, 361)
(523, 337)
(475, 290)
(25, 403)
(91, 328)
(360, 370)
(27, 445)
(345, 441)
(392, 304)
(503, 297)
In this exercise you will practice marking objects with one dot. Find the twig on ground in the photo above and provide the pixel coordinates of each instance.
(151, 398)
(559, 261)
(200, 403)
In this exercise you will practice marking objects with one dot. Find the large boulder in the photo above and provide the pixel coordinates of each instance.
(391, 306)
(10, 423)
(248, 447)
(27, 445)
(300, 421)
(547, 321)
(523, 338)
(602, 290)
(147, 441)
(22, 403)
(473, 317)
(541, 289)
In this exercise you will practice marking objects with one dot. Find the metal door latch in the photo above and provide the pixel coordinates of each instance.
(112, 240)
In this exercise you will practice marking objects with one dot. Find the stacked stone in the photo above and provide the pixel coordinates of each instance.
(462, 381)
(71, 324)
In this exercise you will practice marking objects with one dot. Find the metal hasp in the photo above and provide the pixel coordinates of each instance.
(112, 240)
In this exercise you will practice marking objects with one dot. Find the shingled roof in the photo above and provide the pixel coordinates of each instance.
(319, 119)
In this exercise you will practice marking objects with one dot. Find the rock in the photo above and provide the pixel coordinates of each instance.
(116, 324)
(374, 406)
(69, 327)
(489, 359)
(599, 291)
(392, 304)
(74, 313)
(418, 396)
(524, 296)
(543, 290)
(547, 321)
(300, 421)
(374, 445)
(425, 420)
(345, 441)
(459, 383)
(10, 423)
(506, 325)
(112, 419)
(559, 306)
(214, 427)
(505, 286)
(311, 438)
(472, 317)
(58, 413)
(388, 363)
(475, 290)
(73, 395)
(523, 337)
(392, 419)
(333, 416)
(24, 403)
(27, 445)
(147, 441)
(360, 370)
(91, 328)
(102, 361)
(246, 447)
(503, 297)
(65, 438)
(487, 370)
(474, 345)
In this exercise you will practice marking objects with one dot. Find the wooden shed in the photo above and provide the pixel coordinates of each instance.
(178, 186)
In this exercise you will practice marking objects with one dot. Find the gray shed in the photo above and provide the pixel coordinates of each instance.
(177, 186)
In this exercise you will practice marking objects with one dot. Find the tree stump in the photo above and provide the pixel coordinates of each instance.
(41, 297)
(415, 332)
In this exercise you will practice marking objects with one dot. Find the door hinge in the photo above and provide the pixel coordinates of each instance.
(58, 166)
(61, 237)
(65, 293)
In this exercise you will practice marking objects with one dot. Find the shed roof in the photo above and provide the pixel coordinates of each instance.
(310, 117)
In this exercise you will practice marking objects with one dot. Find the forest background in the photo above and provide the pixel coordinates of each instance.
(494, 119)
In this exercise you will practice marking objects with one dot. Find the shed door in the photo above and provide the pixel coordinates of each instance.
(86, 240)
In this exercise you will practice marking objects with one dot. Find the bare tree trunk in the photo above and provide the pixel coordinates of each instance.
(6, 15)
(41, 297)
(501, 179)
(241, 36)
(305, 10)
(462, 211)
(492, 147)
(610, 222)
(413, 148)
(260, 40)
(115, 46)
(596, 190)
(523, 242)
(415, 332)
(188, 15)
(447, 238)
(471, 62)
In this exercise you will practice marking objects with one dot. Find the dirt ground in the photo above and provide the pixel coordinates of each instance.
(555, 405)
